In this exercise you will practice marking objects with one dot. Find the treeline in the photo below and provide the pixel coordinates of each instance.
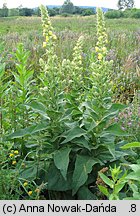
(67, 9)
(128, 13)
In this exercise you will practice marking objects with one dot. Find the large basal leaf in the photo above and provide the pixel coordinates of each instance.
(61, 160)
(85, 194)
(56, 182)
(131, 145)
(28, 131)
(83, 166)
(74, 133)
(115, 130)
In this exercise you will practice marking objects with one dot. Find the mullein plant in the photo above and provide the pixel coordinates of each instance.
(101, 68)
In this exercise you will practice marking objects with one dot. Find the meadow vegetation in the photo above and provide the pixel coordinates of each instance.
(69, 108)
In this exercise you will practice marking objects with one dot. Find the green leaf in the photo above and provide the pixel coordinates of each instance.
(28, 131)
(38, 107)
(118, 187)
(134, 176)
(85, 194)
(29, 173)
(73, 133)
(116, 130)
(56, 182)
(106, 180)
(61, 160)
(81, 141)
(135, 167)
(83, 166)
(131, 145)
(104, 190)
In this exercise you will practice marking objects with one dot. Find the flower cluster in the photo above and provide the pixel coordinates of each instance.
(100, 48)
(31, 190)
(48, 34)
(73, 69)
(13, 155)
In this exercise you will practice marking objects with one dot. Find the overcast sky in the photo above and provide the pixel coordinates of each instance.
(33, 3)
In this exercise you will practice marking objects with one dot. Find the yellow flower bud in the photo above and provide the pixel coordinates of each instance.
(47, 38)
(14, 162)
(97, 49)
(104, 49)
(44, 44)
(25, 184)
(100, 56)
(54, 37)
(16, 152)
(50, 33)
(11, 155)
(30, 193)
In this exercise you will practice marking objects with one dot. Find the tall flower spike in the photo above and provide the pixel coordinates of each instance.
(49, 36)
(101, 34)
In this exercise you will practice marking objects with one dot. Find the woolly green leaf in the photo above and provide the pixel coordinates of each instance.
(61, 160)
(83, 166)
(74, 133)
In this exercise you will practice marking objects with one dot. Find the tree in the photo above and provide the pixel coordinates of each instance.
(13, 12)
(67, 7)
(4, 11)
(125, 4)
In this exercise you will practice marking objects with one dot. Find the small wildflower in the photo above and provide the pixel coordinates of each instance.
(47, 38)
(14, 162)
(16, 152)
(30, 193)
(50, 33)
(54, 37)
(25, 184)
(97, 49)
(104, 49)
(44, 44)
(100, 56)
(11, 155)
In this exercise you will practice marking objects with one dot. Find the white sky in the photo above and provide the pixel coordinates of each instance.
(30, 3)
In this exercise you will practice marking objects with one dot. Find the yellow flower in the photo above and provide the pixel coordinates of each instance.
(54, 37)
(11, 155)
(25, 184)
(44, 44)
(104, 49)
(96, 49)
(100, 56)
(46, 26)
(14, 162)
(50, 33)
(16, 152)
(47, 38)
(30, 193)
